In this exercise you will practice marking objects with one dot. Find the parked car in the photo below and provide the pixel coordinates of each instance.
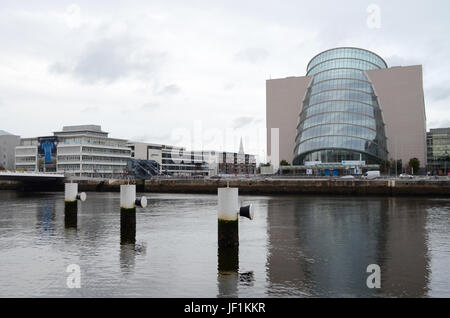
(371, 175)
(406, 176)
(348, 177)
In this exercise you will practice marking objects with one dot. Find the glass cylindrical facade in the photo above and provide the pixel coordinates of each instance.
(341, 118)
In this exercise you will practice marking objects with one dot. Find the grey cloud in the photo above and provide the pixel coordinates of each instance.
(153, 138)
(445, 123)
(395, 60)
(171, 89)
(104, 60)
(148, 106)
(229, 86)
(141, 138)
(111, 59)
(252, 55)
(242, 121)
(438, 93)
(58, 68)
(91, 109)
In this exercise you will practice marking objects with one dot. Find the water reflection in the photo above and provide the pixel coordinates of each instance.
(402, 249)
(128, 227)
(302, 246)
(228, 267)
(127, 257)
(70, 217)
(322, 247)
(128, 247)
(45, 218)
(228, 277)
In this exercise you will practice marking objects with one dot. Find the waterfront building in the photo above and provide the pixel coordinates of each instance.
(83, 151)
(87, 151)
(177, 161)
(350, 106)
(26, 155)
(8, 143)
(236, 163)
(438, 151)
(223, 162)
(142, 169)
(174, 161)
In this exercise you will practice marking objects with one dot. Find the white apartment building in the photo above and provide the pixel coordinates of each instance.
(83, 151)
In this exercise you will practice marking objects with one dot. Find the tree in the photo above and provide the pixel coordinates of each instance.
(414, 164)
(399, 166)
(384, 166)
(392, 166)
(284, 163)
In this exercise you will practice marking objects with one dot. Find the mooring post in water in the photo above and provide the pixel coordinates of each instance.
(71, 197)
(128, 203)
(228, 239)
(228, 212)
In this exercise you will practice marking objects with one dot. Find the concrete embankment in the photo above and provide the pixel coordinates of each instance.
(305, 186)
(267, 186)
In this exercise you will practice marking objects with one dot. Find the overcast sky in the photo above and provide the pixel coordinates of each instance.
(158, 71)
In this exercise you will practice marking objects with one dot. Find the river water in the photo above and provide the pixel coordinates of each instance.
(297, 246)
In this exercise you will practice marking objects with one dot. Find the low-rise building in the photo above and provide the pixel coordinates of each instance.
(438, 151)
(83, 151)
(87, 151)
(236, 163)
(26, 155)
(175, 161)
(8, 143)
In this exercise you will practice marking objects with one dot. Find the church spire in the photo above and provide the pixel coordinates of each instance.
(241, 147)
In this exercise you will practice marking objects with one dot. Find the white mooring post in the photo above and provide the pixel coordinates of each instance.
(128, 203)
(227, 215)
(71, 197)
(128, 199)
(228, 204)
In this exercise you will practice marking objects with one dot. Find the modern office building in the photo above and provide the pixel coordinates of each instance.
(349, 107)
(83, 151)
(87, 151)
(26, 155)
(438, 151)
(8, 143)
(177, 161)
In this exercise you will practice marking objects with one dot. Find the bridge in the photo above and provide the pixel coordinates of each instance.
(33, 177)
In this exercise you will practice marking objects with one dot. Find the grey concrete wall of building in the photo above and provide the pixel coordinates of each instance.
(284, 99)
(8, 145)
(401, 98)
(140, 150)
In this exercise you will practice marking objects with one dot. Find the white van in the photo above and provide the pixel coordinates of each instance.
(371, 175)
